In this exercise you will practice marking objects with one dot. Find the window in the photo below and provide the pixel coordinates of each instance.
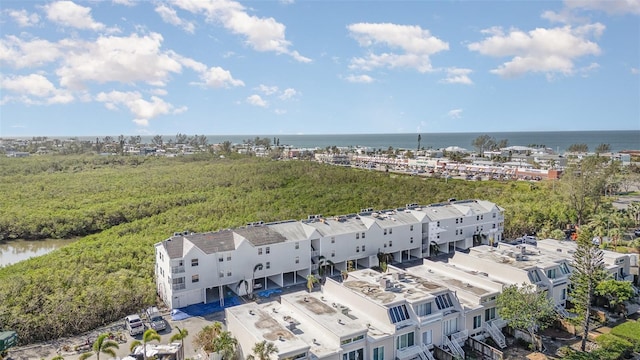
(411, 228)
(457, 220)
(493, 226)
(363, 235)
(551, 273)
(297, 259)
(354, 355)
(481, 217)
(357, 248)
(259, 251)
(427, 337)
(444, 301)
(194, 262)
(398, 313)
(385, 232)
(478, 218)
(333, 240)
(297, 245)
(268, 250)
(490, 314)
(221, 274)
(390, 243)
(563, 295)
(228, 273)
(405, 340)
(180, 263)
(477, 321)
(390, 231)
(362, 247)
(461, 220)
(423, 309)
(534, 276)
(565, 269)
(228, 257)
(411, 240)
(378, 353)
(438, 224)
(333, 253)
(494, 215)
(195, 278)
(268, 265)
(385, 244)
(221, 258)
(357, 235)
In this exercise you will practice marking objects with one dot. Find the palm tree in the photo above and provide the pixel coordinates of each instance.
(205, 337)
(181, 335)
(102, 345)
(311, 279)
(599, 225)
(225, 344)
(634, 212)
(148, 336)
(258, 267)
(384, 259)
(263, 350)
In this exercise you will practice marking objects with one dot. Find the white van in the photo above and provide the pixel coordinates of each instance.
(134, 325)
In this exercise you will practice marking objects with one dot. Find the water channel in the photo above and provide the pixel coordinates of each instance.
(14, 251)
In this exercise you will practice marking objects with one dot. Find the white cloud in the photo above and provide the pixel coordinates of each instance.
(455, 113)
(170, 16)
(68, 13)
(117, 59)
(256, 100)
(20, 54)
(267, 90)
(365, 79)
(287, 2)
(457, 76)
(23, 18)
(261, 34)
(635, 71)
(613, 7)
(124, 2)
(416, 44)
(288, 94)
(142, 109)
(542, 50)
(34, 85)
(218, 77)
(280, 111)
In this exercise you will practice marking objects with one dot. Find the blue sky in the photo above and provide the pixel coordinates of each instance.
(317, 67)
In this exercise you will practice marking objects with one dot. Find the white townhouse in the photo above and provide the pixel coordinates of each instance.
(477, 295)
(369, 315)
(617, 264)
(193, 268)
(515, 265)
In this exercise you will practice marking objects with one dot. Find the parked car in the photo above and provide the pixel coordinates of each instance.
(134, 325)
(156, 322)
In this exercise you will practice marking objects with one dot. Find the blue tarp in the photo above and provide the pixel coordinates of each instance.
(267, 293)
(203, 309)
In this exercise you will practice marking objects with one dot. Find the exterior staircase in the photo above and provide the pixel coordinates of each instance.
(455, 349)
(495, 334)
(562, 311)
(427, 354)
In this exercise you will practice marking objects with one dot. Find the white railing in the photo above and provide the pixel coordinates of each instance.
(454, 348)
(408, 352)
(562, 311)
(460, 337)
(430, 318)
(178, 286)
(495, 334)
(427, 353)
(177, 269)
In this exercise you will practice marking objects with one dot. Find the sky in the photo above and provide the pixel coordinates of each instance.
(220, 67)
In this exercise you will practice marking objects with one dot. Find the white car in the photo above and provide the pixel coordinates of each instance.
(134, 325)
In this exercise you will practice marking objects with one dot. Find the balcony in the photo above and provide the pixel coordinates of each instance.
(177, 269)
(176, 287)
(431, 318)
(409, 352)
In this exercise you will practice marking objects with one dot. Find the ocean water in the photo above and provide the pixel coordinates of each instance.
(559, 141)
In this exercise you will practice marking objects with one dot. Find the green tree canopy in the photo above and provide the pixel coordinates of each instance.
(525, 308)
